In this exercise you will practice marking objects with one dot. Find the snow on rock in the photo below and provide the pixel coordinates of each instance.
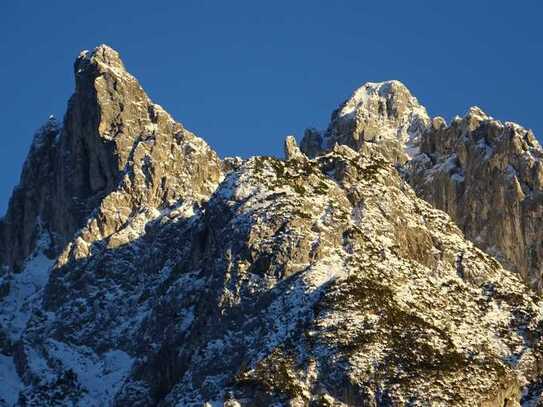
(10, 383)
(299, 281)
(378, 115)
(184, 280)
(100, 378)
(24, 290)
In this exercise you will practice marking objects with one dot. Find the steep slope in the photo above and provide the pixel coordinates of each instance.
(116, 163)
(31, 201)
(322, 281)
(488, 176)
(348, 289)
(113, 138)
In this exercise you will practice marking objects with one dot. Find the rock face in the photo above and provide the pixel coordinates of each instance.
(378, 115)
(114, 139)
(488, 176)
(292, 151)
(178, 279)
(117, 161)
(311, 144)
(32, 201)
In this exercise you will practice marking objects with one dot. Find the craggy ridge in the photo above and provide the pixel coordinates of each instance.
(367, 267)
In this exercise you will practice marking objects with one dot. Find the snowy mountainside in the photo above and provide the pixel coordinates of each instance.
(485, 173)
(179, 279)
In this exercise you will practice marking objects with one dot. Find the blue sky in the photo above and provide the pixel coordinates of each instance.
(244, 74)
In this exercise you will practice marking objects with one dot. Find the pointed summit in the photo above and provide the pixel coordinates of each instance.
(101, 58)
(114, 140)
(102, 54)
(382, 115)
(364, 97)
(103, 61)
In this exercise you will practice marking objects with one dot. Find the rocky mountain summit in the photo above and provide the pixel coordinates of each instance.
(116, 153)
(486, 174)
(378, 115)
(140, 269)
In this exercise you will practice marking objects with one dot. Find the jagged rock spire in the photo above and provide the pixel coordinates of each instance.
(113, 137)
(291, 149)
(488, 176)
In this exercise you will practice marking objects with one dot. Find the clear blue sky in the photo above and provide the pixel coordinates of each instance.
(243, 74)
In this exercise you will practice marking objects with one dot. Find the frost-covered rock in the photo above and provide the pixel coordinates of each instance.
(300, 282)
(486, 174)
(383, 116)
(178, 279)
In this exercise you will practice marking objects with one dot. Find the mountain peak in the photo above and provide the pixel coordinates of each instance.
(102, 55)
(137, 268)
(114, 141)
(383, 115)
(361, 97)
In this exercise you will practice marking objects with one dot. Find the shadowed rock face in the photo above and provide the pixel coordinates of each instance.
(32, 201)
(151, 273)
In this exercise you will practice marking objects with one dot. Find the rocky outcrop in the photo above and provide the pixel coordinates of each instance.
(488, 176)
(31, 204)
(383, 116)
(180, 279)
(311, 144)
(113, 139)
(291, 149)
(323, 281)
(117, 162)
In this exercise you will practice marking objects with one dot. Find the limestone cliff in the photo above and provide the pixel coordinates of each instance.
(382, 115)
(141, 270)
(486, 174)
(113, 139)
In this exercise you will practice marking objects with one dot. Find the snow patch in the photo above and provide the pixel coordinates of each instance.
(25, 290)
(101, 376)
(10, 383)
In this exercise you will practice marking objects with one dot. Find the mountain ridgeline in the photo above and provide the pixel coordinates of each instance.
(389, 260)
